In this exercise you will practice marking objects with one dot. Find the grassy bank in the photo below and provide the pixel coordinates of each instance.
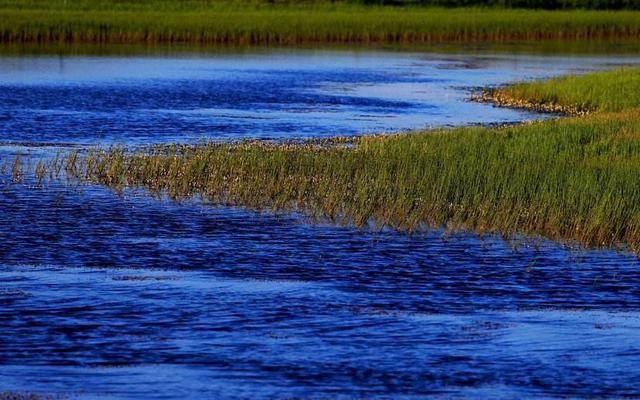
(228, 22)
(567, 179)
(615, 90)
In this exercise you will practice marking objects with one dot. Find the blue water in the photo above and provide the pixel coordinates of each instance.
(113, 296)
(283, 94)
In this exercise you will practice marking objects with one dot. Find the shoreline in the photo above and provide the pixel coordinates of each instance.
(499, 98)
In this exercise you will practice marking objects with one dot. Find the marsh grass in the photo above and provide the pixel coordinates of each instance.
(255, 23)
(571, 179)
(16, 168)
(613, 90)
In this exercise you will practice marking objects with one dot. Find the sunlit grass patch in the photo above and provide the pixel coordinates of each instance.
(574, 179)
(613, 90)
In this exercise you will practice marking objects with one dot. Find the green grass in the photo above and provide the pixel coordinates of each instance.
(574, 179)
(236, 22)
(605, 91)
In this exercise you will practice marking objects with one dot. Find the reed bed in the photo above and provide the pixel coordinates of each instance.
(572, 179)
(614, 90)
(229, 22)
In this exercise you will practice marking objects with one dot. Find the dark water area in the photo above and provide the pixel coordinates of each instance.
(126, 296)
(106, 296)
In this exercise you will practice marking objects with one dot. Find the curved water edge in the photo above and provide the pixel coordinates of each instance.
(99, 101)
(120, 296)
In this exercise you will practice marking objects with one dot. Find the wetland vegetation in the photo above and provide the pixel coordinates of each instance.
(110, 296)
(611, 91)
(566, 179)
(294, 23)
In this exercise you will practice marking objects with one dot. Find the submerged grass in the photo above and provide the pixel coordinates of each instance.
(573, 179)
(233, 22)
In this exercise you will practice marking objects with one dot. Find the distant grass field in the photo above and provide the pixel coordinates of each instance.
(574, 179)
(258, 23)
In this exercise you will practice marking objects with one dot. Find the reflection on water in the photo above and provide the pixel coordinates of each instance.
(105, 296)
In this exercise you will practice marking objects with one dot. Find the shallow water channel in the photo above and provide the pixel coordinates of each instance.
(127, 296)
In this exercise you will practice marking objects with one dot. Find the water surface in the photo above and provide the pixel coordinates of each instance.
(127, 296)
(102, 100)
(121, 297)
